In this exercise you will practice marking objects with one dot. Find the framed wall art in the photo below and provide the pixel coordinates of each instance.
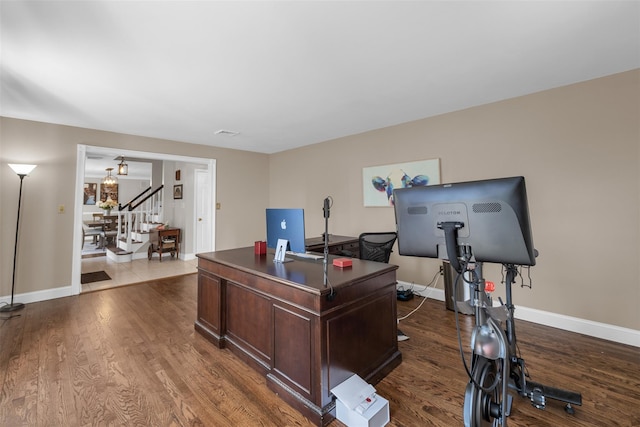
(107, 191)
(378, 182)
(177, 191)
(90, 193)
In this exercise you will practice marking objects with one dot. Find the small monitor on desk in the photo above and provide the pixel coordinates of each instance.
(287, 224)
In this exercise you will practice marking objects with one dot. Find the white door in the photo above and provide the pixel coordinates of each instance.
(203, 228)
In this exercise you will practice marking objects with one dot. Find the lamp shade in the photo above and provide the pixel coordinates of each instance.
(21, 169)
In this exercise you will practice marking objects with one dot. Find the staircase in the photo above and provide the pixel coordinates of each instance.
(135, 220)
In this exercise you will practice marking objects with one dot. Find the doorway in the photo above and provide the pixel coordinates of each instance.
(204, 170)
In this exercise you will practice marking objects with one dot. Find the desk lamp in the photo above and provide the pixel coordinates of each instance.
(22, 171)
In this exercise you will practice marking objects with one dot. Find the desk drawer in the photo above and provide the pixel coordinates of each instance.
(346, 249)
(353, 248)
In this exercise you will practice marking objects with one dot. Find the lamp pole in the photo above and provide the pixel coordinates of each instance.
(22, 171)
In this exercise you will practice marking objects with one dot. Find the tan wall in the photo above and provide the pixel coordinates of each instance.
(45, 247)
(577, 146)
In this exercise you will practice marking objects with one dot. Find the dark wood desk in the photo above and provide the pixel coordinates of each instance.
(338, 245)
(279, 319)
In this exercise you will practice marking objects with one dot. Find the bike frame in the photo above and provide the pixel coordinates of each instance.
(490, 340)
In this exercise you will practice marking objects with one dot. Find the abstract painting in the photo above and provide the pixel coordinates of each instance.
(379, 181)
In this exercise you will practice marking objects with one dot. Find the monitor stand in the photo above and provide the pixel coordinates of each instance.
(281, 250)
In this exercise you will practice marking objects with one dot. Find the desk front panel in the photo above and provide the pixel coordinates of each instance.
(210, 316)
(249, 322)
(363, 337)
(294, 347)
(274, 337)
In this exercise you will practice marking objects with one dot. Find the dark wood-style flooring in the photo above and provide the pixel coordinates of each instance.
(130, 356)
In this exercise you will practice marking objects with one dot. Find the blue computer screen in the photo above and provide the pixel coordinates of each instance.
(286, 224)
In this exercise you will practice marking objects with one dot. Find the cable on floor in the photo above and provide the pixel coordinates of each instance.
(430, 287)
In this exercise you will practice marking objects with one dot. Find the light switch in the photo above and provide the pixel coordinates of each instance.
(60, 209)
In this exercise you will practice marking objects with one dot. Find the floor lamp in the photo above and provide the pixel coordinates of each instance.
(22, 171)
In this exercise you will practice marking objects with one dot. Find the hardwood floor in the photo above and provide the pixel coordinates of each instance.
(130, 356)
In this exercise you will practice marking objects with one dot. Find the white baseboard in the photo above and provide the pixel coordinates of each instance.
(582, 326)
(187, 257)
(573, 324)
(38, 296)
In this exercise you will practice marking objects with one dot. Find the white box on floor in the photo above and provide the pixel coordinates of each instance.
(358, 405)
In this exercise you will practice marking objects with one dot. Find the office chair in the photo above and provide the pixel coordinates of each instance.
(377, 246)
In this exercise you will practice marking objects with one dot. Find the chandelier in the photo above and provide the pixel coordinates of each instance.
(109, 180)
(123, 168)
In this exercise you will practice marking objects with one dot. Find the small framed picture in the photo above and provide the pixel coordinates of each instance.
(90, 193)
(178, 175)
(177, 191)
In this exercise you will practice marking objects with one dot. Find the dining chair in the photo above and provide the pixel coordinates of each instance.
(92, 232)
(109, 230)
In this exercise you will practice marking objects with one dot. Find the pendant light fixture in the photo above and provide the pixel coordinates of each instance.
(123, 168)
(109, 180)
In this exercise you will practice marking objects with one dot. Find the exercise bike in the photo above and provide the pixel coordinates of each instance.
(496, 367)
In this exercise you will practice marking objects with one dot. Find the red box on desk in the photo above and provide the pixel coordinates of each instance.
(260, 247)
(343, 262)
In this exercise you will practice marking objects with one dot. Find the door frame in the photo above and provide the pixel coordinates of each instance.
(81, 156)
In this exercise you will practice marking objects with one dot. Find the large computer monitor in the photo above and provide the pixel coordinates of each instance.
(491, 218)
(286, 224)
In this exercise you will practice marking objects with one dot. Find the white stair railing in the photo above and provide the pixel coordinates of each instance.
(141, 218)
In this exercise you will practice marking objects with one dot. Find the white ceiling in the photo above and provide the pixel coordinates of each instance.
(286, 74)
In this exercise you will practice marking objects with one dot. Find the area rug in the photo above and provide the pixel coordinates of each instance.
(96, 276)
